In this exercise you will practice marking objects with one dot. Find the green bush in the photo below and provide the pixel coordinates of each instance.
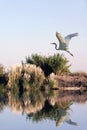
(57, 63)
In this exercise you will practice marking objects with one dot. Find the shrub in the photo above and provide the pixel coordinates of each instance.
(57, 63)
(27, 74)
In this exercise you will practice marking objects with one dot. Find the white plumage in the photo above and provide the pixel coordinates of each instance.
(64, 41)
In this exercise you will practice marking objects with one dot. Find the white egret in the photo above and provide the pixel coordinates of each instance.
(64, 41)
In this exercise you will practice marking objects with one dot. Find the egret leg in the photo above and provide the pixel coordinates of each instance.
(70, 53)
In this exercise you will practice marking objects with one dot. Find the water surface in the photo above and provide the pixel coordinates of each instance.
(57, 110)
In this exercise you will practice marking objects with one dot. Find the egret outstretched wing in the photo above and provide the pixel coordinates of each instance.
(59, 37)
(68, 37)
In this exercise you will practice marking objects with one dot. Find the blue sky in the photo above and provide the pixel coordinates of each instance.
(29, 26)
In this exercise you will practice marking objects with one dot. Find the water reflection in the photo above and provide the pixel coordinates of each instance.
(38, 105)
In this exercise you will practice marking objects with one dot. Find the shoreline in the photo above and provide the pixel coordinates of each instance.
(73, 81)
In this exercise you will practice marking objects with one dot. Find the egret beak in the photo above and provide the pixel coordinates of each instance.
(51, 43)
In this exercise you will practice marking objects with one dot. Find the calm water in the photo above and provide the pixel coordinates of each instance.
(37, 110)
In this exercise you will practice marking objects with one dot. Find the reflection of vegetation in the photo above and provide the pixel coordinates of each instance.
(55, 112)
(3, 99)
(29, 102)
(56, 63)
(48, 111)
(41, 105)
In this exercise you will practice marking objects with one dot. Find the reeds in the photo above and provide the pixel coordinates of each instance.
(27, 73)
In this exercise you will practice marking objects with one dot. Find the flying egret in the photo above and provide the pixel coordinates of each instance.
(64, 41)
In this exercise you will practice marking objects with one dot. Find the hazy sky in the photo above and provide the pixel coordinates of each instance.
(29, 26)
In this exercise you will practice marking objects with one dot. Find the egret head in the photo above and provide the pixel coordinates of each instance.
(55, 45)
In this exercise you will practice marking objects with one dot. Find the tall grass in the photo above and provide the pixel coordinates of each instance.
(3, 76)
(24, 75)
(2, 71)
(57, 63)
